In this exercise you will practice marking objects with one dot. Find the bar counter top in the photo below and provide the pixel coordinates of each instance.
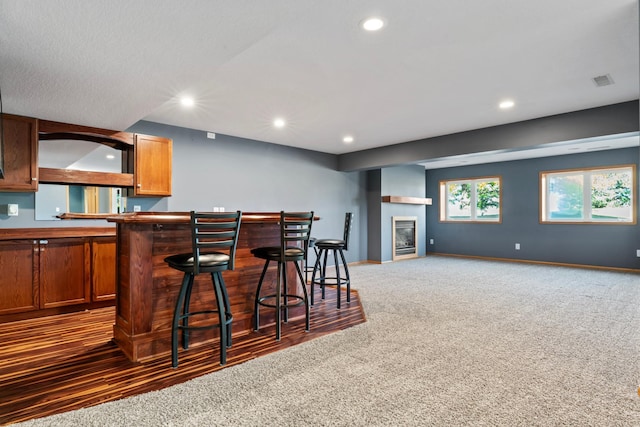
(183, 217)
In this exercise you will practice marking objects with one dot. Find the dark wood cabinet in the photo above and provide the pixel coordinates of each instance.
(64, 272)
(152, 173)
(103, 268)
(19, 291)
(20, 154)
(43, 275)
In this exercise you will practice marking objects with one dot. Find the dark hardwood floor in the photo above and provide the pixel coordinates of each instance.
(60, 363)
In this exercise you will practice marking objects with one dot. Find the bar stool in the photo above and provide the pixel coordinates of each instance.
(295, 229)
(214, 237)
(336, 246)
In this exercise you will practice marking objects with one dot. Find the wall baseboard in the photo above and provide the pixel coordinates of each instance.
(526, 261)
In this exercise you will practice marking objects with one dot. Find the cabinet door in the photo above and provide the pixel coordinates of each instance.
(20, 154)
(103, 268)
(18, 277)
(64, 272)
(152, 174)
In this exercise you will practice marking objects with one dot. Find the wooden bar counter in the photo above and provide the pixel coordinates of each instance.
(147, 288)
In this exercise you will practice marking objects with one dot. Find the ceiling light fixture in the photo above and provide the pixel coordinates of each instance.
(506, 104)
(347, 139)
(279, 123)
(187, 101)
(110, 156)
(372, 24)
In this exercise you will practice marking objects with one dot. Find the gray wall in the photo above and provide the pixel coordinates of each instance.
(587, 244)
(401, 181)
(253, 176)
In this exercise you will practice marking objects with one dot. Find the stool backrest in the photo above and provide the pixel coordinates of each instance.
(348, 218)
(214, 232)
(295, 229)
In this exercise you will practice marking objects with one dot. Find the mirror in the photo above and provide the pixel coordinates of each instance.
(53, 200)
(79, 155)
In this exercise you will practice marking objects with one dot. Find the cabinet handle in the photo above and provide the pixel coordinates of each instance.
(139, 185)
(34, 179)
(44, 242)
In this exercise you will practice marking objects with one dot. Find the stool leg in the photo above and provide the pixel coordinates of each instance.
(305, 298)
(222, 316)
(227, 306)
(278, 301)
(323, 271)
(346, 273)
(185, 313)
(176, 319)
(337, 267)
(316, 267)
(256, 306)
(284, 291)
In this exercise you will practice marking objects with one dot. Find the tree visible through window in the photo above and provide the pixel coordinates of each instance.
(590, 195)
(475, 199)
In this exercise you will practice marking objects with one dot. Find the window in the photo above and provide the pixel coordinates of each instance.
(476, 199)
(593, 195)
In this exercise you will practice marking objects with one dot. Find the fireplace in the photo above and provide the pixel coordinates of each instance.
(405, 237)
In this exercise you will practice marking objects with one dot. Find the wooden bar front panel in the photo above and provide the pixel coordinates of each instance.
(148, 288)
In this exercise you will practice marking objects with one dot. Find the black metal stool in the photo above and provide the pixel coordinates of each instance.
(295, 229)
(336, 246)
(214, 237)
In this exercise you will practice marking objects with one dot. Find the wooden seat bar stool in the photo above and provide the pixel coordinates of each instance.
(337, 247)
(295, 230)
(214, 237)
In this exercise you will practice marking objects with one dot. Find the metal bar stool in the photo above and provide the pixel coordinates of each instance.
(214, 237)
(337, 247)
(295, 229)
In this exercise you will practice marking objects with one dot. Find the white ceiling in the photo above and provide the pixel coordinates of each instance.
(437, 67)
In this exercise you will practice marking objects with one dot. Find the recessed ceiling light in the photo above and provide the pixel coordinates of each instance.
(187, 101)
(506, 104)
(279, 123)
(347, 139)
(110, 156)
(372, 24)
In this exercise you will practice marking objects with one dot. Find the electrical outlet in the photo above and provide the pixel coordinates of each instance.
(431, 241)
(517, 246)
(9, 210)
(638, 253)
(136, 208)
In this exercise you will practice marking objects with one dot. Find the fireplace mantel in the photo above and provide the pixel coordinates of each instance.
(407, 200)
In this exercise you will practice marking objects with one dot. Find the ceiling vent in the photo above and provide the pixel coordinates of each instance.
(605, 80)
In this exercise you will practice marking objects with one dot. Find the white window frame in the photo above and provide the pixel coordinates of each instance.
(473, 182)
(586, 173)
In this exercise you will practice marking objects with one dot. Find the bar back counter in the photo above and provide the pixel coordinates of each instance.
(147, 287)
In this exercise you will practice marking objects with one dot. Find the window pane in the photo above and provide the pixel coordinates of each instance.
(565, 197)
(459, 201)
(488, 201)
(611, 196)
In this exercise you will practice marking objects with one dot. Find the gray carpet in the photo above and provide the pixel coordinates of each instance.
(448, 342)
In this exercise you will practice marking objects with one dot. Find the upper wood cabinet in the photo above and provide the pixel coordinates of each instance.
(20, 154)
(152, 173)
